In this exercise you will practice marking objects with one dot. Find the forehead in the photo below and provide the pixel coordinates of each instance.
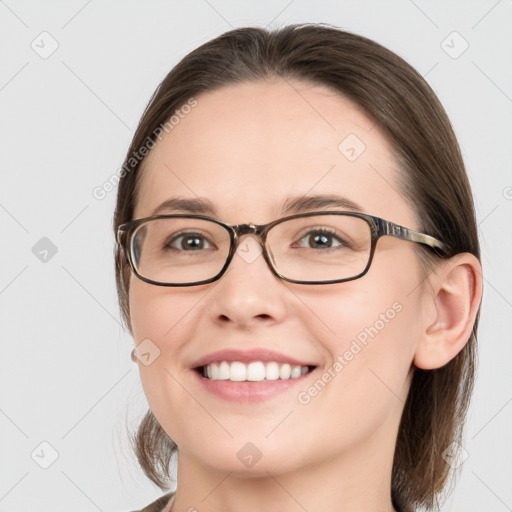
(249, 149)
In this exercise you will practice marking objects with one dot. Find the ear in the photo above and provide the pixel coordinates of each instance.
(453, 299)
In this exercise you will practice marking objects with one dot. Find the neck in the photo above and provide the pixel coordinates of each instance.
(359, 481)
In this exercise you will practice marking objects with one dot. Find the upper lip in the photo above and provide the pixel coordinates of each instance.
(248, 356)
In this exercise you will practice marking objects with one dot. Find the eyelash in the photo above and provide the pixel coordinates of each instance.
(325, 231)
(318, 231)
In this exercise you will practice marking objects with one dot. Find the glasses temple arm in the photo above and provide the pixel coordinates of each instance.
(411, 235)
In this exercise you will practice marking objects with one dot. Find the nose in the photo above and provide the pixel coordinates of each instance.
(249, 293)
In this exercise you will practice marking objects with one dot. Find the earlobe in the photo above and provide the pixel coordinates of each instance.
(455, 293)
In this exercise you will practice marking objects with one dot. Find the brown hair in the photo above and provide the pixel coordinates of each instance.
(434, 183)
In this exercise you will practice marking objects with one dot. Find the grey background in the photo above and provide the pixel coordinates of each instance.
(66, 120)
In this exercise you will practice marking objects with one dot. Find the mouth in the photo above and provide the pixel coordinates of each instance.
(255, 371)
(251, 375)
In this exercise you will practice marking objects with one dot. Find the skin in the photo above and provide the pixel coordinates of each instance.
(247, 148)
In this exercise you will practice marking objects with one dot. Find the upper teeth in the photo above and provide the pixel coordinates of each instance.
(255, 371)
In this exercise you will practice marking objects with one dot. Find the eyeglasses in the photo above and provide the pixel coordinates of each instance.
(307, 248)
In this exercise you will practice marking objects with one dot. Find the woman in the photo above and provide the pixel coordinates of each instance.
(298, 263)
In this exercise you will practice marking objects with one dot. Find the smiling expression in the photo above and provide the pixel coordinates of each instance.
(248, 151)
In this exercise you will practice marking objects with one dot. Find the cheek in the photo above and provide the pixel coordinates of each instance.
(369, 337)
(157, 313)
(370, 334)
(162, 321)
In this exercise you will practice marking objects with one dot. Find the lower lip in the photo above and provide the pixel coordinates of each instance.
(249, 392)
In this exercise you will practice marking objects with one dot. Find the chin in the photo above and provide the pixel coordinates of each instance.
(248, 460)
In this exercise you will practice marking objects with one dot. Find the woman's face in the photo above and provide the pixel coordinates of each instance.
(248, 149)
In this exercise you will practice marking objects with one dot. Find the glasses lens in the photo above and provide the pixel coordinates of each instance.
(320, 247)
(179, 250)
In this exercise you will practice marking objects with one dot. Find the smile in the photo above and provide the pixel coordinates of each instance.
(255, 371)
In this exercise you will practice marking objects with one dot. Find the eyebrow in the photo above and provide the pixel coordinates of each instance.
(291, 206)
(331, 202)
(186, 205)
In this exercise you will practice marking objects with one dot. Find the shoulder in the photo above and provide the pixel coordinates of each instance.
(157, 505)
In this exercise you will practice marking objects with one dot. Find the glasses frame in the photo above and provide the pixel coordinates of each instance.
(378, 227)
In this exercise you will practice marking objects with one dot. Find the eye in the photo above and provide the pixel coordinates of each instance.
(321, 238)
(188, 242)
